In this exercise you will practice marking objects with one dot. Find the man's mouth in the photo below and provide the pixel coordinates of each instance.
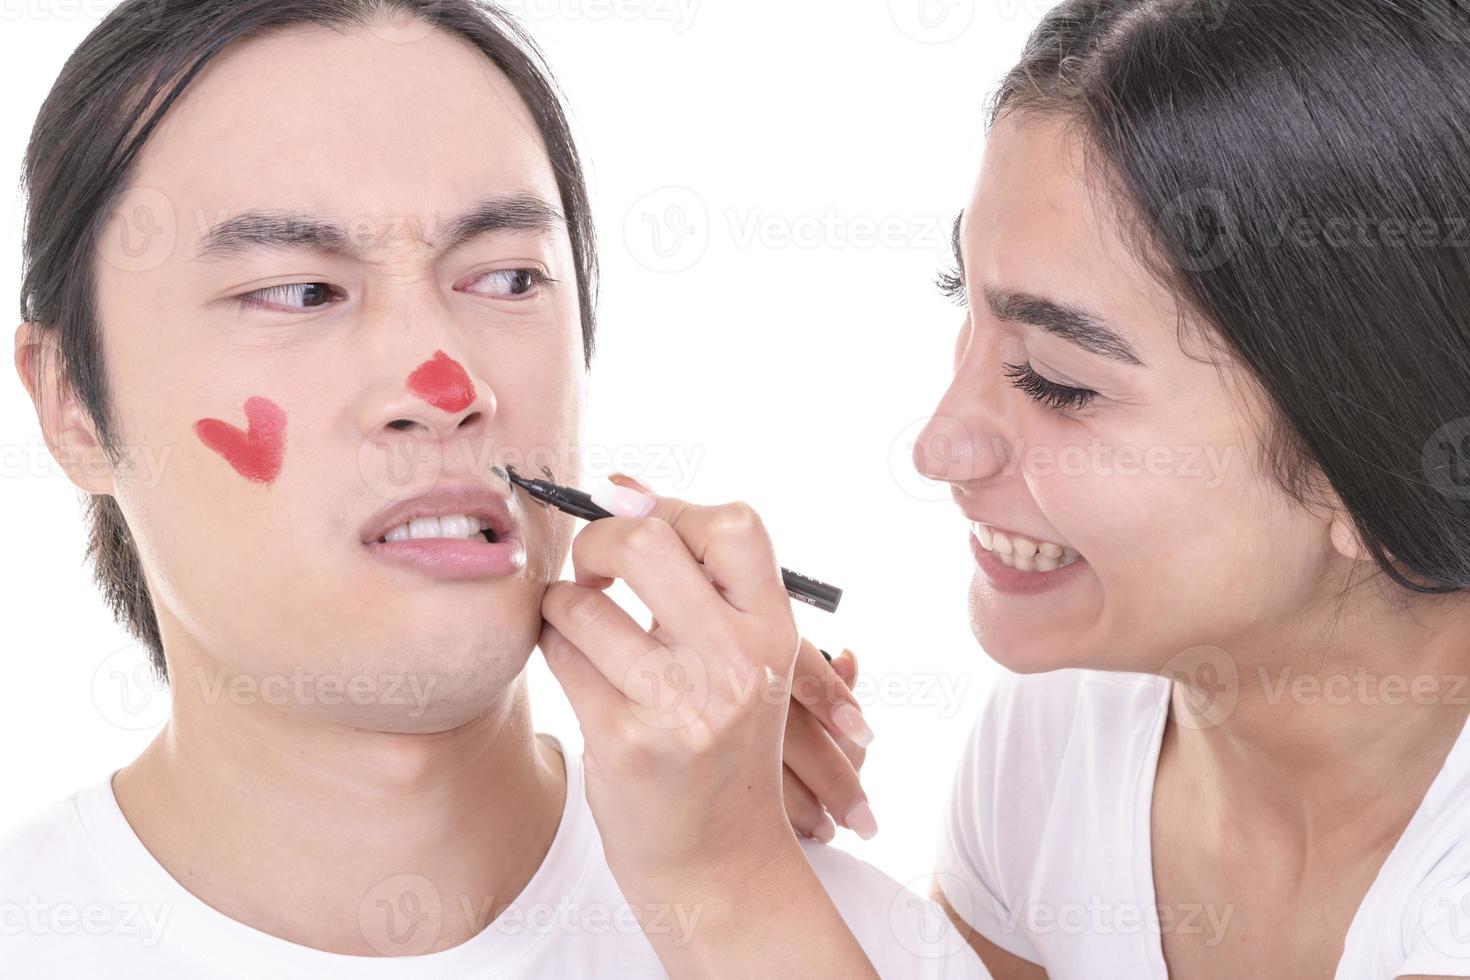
(458, 530)
(454, 527)
(464, 510)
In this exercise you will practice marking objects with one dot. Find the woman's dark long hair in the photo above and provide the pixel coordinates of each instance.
(1298, 173)
(111, 94)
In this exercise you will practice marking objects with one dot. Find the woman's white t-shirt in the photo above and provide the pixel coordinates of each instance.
(1046, 846)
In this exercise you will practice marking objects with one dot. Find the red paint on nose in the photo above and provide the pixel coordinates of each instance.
(256, 453)
(441, 382)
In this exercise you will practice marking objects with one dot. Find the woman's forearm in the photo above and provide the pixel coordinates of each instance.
(772, 910)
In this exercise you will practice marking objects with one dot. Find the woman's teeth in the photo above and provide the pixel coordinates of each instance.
(458, 526)
(1021, 553)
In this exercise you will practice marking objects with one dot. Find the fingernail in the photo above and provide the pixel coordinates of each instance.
(851, 657)
(622, 501)
(825, 831)
(850, 720)
(860, 820)
(623, 479)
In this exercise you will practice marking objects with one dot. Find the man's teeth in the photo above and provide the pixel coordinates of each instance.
(458, 526)
(1022, 553)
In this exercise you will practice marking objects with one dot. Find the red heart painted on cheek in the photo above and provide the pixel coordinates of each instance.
(256, 454)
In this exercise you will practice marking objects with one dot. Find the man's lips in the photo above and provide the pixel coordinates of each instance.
(453, 558)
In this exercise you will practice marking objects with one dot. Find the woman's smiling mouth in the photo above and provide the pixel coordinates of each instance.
(1025, 554)
(1018, 565)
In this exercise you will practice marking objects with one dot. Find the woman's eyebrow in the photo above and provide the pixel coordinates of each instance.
(1071, 323)
(265, 229)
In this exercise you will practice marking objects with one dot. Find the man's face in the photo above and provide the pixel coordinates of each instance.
(253, 545)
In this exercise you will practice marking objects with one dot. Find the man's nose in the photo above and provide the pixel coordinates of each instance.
(437, 396)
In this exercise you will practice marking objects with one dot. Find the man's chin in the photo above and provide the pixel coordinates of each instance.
(433, 678)
(424, 701)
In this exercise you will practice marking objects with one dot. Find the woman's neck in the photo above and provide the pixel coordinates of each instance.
(1335, 724)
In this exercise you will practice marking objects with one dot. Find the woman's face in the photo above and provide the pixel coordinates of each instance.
(1153, 481)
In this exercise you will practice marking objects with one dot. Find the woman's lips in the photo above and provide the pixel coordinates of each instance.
(1013, 581)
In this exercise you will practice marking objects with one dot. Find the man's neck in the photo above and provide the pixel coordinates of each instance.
(306, 830)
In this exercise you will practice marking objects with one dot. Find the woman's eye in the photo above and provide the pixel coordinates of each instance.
(511, 283)
(295, 295)
(1059, 398)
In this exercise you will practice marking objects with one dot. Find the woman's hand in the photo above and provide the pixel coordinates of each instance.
(826, 742)
(683, 726)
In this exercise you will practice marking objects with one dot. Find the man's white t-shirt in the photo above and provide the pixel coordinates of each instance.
(1046, 847)
(80, 896)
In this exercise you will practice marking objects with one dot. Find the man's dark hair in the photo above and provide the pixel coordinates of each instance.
(111, 94)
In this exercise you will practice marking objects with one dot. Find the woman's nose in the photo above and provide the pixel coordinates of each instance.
(964, 439)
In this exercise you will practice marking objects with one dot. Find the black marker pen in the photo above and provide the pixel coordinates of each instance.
(579, 503)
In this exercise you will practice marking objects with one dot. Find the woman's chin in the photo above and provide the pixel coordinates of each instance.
(1020, 647)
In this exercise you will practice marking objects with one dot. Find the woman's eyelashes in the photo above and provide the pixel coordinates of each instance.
(1060, 398)
(506, 284)
(951, 283)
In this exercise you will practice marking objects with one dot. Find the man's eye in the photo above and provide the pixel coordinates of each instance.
(511, 283)
(295, 295)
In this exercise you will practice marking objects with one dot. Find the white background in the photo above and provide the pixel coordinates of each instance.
(773, 183)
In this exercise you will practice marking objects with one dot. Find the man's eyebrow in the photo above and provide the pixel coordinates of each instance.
(275, 229)
(1075, 325)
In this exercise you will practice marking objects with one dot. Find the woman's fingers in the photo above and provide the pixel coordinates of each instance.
(650, 557)
(609, 640)
(595, 701)
(729, 540)
(806, 814)
(821, 689)
(845, 664)
(826, 771)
